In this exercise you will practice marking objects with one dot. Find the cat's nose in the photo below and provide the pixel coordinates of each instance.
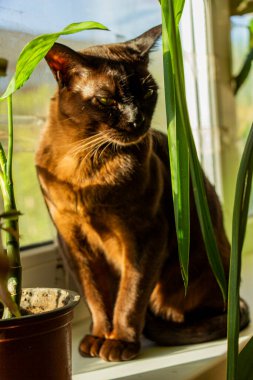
(138, 120)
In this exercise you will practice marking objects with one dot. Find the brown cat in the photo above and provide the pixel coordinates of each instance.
(105, 177)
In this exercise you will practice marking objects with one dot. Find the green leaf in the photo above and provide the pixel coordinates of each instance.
(240, 214)
(176, 98)
(244, 72)
(245, 363)
(179, 154)
(36, 50)
(250, 26)
(178, 10)
(183, 201)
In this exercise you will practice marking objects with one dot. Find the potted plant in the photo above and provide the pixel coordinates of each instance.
(184, 162)
(35, 330)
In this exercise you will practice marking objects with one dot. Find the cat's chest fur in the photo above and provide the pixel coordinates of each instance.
(105, 206)
(98, 210)
(117, 190)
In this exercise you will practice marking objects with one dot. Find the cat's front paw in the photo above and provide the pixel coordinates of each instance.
(90, 345)
(108, 349)
(118, 350)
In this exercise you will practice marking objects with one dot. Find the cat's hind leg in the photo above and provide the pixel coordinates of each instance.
(197, 327)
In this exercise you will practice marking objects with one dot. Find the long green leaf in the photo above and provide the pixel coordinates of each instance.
(178, 10)
(245, 363)
(178, 150)
(36, 50)
(170, 27)
(240, 213)
(244, 72)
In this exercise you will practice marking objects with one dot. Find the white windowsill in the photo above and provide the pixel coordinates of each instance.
(175, 363)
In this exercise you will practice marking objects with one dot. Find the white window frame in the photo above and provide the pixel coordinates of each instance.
(226, 109)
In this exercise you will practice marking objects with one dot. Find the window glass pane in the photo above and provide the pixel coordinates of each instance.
(34, 224)
(20, 22)
(30, 108)
(200, 87)
(240, 38)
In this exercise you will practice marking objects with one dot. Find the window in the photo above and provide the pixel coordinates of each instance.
(209, 93)
(19, 23)
(205, 35)
(240, 44)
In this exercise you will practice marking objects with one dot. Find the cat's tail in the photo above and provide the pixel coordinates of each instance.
(198, 330)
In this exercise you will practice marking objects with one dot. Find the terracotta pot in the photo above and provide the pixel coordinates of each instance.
(38, 346)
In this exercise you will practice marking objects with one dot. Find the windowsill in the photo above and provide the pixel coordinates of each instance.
(179, 363)
(175, 363)
(154, 362)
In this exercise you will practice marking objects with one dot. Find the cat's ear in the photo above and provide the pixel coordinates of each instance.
(143, 44)
(63, 62)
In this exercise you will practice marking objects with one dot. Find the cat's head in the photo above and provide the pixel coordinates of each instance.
(107, 90)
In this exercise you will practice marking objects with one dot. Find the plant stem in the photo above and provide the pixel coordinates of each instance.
(11, 224)
(10, 140)
(2, 159)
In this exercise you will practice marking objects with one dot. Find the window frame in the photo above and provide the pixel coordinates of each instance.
(226, 111)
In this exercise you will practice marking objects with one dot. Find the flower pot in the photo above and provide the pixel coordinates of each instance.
(38, 346)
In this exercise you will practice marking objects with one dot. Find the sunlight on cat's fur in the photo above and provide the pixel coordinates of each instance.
(105, 177)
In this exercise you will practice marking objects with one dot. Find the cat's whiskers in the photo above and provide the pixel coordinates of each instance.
(95, 155)
(93, 152)
(125, 77)
(84, 140)
(115, 147)
(115, 138)
(128, 99)
(89, 149)
(96, 152)
(87, 138)
(104, 149)
(84, 145)
(152, 86)
(144, 80)
(93, 148)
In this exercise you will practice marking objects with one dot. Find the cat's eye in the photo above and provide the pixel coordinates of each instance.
(106, 101)
(149, 93)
